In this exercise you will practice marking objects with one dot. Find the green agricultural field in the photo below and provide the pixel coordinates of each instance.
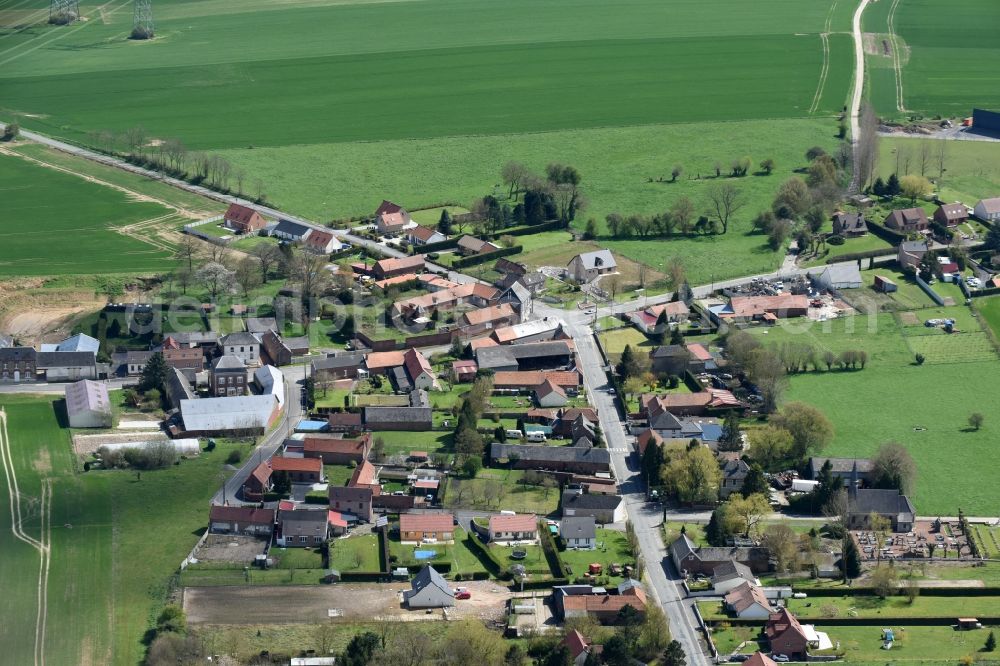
(926, 406)
(57, 223)
(938, 77)
(640, 84)
(972, 168)
(116, 541)
(989, 309)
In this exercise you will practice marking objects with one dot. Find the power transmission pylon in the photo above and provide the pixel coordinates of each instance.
(62, 12)
(142, 20)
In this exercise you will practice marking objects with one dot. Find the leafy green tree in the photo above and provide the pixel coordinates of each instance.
(850, 563)
(282, 483)
(892, 187)
(673, 655)
(154, 374)
(361, 650)
(755, 482)
(615, 652)
(732, 435)
(471, 466)
(811, 430)
(514, 656)
(991, 642)
(715, 532)
(444, 222)
(590, 231)
(171, 620)
(652, 461)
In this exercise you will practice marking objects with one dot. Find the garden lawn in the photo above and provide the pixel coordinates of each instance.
(865, 243)
(612, 548)
(58, 223)
(356, 553)
(989, 309)
(908, 295)
(865, 607)
(494, 489)
(614, 342)
(972, 168)
(297, 558)
(399, 441)
(925, 408)
(462, 559)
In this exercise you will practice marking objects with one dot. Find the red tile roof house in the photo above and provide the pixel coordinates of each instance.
(337, 450)
(392, 224)
(603, 607)
(907, 220)
(356, 497)
(468, 245)
(380, 363)
(519, 527)
(386, 268)
(257, 483)
(786, 635)
(426, 528)
(245, 520)
(531, 379)
(420, 235)
(299, 470)
(322, 242)
(580, 648)
(484, 319)
(243, 220)
(646, 320)
(952, 214)
(419, 369)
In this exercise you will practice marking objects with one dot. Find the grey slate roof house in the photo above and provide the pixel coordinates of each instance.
(17, 364)
(694, 560)
(62, 366)
(734, 473)
(553, 458)
(849, 225)
(579, 532)
(341, 366)
(290, 231)
(842, 467)
(429, 589)
(602, 508)
(303, 528)
(548, 355)
(243, 345)
(587, 266)
(730, 575)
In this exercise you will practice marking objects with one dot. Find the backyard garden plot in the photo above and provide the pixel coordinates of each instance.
(959, 348)
(494, 489)
(57, 223)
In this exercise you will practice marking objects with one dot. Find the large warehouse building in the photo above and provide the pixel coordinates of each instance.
(986, 121)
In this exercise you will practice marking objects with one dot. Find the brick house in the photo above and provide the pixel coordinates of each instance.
(257, 483)
(184, 358)
(228, 377)
(299, 470)
(337, 450)
(907, 220)
(951, 215)
(519, 527)
(244, 520)
(353, 501)
(786, 635)
(243, 220)
(426, 527)
(17, 364)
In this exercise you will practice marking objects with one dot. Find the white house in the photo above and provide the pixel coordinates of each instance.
(839, 276)
(730, 575)
(87, 405)
(243, 345)
(550, 394)
(419, 369)
(988, 209)
(579, 533)
(587, 266)
(748, 602)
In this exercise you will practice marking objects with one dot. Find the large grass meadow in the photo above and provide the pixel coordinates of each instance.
(58, 223)
(336, 104)
(948, 55)
(972, 168)
(116, 543)
(923, 407)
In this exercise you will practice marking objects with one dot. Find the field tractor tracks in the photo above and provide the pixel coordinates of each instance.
(897, 65)
(42, 544)
(30, 45)
(824, 38)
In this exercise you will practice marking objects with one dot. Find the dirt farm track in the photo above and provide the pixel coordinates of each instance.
(312, 603)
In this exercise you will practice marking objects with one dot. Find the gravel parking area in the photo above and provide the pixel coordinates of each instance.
(315, 603)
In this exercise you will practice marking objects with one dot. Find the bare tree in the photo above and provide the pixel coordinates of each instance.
(247, 276)
(309, 270)
(925, 156)
(514, 174)
(187, 251)
(866, 156)
(725, 200)
(267, 256)
(676, 271)
(942, 156)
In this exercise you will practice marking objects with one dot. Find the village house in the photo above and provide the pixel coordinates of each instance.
(293, 232)
(469, 245)
(513, 527)
(243, 220)
(530, 379)
(688, 404)
(429, 589)
(176, 387)
(391, 219)
(579, 532)
(786, 636)
(849, 225)
(246, 414)
(694, 560)
(844, 468)
(603, 508)
(135, 362)
(745, 309)
(344, 422)
(648, 320)
(387, 268)
(674, 360)
(257, 483)
(341, 366)
(228, 376)
(907, 220)
(910, 254)
(335, 450)
(988, 210)
(242, 520)
(426, 528)
(951, 215)
(747, 601)
(421, 235)
(536, 330)
(519, 297)
(274, 350)
(483, 319)
(355, 502)
(66, 366)
(533, 282)
(588, 266)
(580, 649)
(418, 370)
(184, 358)
(734, 473)
(575, 459)
(573, 601)
(243, 345)
(381, 363)
(322, 242)
(550, 394)
(302, 528)
(17, 364)
(731, 575)
(299, 470)
(473, 294)
(87, 405)
(892, 505)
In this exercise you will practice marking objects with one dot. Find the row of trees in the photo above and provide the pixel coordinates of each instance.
(469, 445)
(173, 157)
(738, 167)
(722, 202)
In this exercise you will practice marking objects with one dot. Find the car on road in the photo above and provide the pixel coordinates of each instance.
(738, 657)
(462, 593)
(780, 657)
(611, 391)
